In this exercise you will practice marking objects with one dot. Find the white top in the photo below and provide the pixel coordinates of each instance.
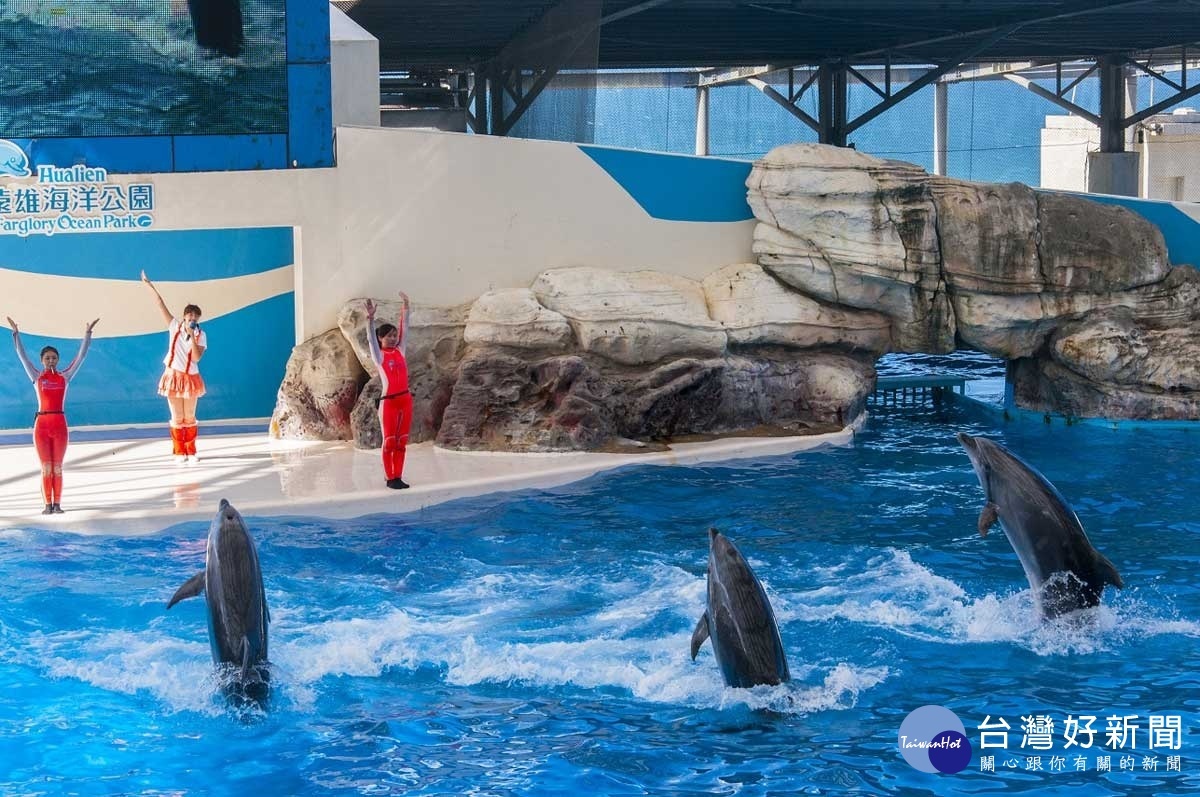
(180, 347)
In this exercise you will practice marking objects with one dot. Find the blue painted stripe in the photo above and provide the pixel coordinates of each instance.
(117, 154)
(230, 153)
(679, 187)
(310, 115)
(172, 255)
(118, 381)
(1180, 231)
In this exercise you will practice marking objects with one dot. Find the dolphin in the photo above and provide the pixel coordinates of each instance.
(1065, 572)
(739, 621)
(218, 25)
(13, 160)
(237, 604)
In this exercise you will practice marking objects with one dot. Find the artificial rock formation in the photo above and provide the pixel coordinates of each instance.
(1050, 281)
(857, 256)
(319, 390)
(590, 359)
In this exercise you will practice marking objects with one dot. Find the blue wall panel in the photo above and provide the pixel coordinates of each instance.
(127, 154)
(310, 115)
(248, 346)
(230, 153)
(307, 31)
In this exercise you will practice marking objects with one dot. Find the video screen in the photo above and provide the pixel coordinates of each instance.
(142, 67)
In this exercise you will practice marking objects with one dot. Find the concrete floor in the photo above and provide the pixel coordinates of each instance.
(134, 486)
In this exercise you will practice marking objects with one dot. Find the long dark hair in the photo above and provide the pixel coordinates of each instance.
(383, 330)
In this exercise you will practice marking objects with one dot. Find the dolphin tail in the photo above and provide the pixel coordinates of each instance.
(700, 634)
(987, 518)
(190, 589)
(1108, 571)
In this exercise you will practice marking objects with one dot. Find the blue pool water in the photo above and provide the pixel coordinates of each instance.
(537, 643)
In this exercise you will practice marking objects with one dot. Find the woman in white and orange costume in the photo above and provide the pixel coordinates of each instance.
(181, 383)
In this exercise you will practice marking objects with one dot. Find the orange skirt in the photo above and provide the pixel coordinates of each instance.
(177, 384)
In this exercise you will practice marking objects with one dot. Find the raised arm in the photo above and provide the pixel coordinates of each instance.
(70, 370)
(372, 340)
(162, 306)
(30, 371)
(403, 323)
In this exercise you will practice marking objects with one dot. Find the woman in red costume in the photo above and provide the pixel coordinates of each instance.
(50, 424)
(181, 383)
(395, 405)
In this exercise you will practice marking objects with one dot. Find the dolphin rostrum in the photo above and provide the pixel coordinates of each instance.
(739, 621)
(1065, 572)
(237, 604)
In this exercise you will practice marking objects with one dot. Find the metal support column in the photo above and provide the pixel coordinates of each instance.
(479, 118)
(1112, 104)
(702, 120)
(941, 127)
(495, 126)
(832, 104)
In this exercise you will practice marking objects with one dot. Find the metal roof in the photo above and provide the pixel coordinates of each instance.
(460, 34)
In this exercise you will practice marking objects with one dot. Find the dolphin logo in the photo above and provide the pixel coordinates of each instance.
(1065, 572)
(13, 160)
(237, 606)
(739, 621)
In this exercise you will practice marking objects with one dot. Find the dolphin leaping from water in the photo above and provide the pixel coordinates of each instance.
(739, 621)
(1065, 572)
(237, 604)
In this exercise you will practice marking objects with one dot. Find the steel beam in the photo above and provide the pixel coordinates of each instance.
(1050, 96)
(768, 90)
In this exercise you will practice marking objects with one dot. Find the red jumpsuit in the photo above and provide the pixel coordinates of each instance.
(50, 425)
(50, 431)
(395, 411)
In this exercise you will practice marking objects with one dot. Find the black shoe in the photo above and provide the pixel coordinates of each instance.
(397, 484)
(58, 510)
(49, 510)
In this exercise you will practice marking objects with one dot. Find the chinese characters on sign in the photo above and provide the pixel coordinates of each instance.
(75, 199)
(1126, 743)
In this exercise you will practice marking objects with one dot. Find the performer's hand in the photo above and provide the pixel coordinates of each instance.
(146, 279)
(370, 309)
(12, 324)
(93, 324)
(404, 298)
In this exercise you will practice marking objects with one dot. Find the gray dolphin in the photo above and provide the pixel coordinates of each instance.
(237, 604)
(739, 620)
(1065, 572)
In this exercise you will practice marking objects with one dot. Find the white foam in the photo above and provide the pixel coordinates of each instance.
(896, 592)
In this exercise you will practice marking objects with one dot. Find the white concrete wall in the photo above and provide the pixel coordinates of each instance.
(444, 216)
(354, 66)
(1066, 142)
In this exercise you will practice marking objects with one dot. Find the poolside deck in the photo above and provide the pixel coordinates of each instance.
(134, 487)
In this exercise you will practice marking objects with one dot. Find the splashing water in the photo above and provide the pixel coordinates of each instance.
(537, 643)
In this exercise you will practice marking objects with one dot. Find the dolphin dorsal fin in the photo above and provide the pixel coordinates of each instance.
(190, 589)
(700, 634)
(1108, 571)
